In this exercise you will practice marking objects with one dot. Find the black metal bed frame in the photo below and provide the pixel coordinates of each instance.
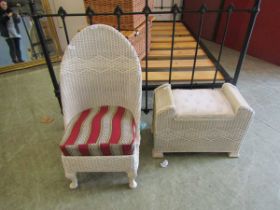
(175, 10)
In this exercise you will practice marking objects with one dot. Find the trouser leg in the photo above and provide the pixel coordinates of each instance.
(12, 49)
(17, 47)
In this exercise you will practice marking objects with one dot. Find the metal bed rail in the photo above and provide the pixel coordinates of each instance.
(147, 12)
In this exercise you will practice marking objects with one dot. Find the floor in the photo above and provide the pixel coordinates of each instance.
(32, 175)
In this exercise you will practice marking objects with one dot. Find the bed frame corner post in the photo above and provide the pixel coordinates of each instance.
(254, 13)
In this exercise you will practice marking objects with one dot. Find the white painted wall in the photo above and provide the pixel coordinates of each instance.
(73, 23)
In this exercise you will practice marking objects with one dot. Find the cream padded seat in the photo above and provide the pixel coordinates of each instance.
(100, 131)
(201, 103)
(199, 120)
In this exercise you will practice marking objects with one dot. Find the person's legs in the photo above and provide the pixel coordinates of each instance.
(18, 51)
(12, 49)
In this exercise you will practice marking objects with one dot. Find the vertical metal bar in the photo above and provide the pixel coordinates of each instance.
(174, 11)
(118, 12)
(62, 14)
(244, 49)
(41, 37)
(229, 12)
(146, 11)
(90, 14)
(90, 20)
(146, 60)
(183, 10)
(65, 29)
(119, 23)
(218, 20)
(161, 5)
(202, 11)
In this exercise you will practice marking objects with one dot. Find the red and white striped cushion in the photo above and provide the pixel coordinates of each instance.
(106, 130)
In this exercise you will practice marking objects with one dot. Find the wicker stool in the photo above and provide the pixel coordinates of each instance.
(199, 120)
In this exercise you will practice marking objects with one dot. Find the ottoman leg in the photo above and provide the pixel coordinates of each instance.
(157, 154)
(233, 154)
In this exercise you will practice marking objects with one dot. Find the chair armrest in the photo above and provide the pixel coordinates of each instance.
(235, 98)
(163, 99)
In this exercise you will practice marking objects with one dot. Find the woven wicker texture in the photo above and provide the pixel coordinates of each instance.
(175, 133)
(101, 68)
(128, 22)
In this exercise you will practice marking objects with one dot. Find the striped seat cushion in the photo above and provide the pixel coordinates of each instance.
(106, 130)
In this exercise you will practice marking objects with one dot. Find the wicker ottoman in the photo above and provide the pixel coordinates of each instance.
(199, 120)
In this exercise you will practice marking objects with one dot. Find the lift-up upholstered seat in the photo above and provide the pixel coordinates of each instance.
(199, 120)
(101, 98)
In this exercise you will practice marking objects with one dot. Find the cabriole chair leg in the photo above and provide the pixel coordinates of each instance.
(131, 179)
(73, 178)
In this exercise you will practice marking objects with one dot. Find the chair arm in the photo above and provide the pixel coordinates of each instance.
(235, 98)
(163, 99)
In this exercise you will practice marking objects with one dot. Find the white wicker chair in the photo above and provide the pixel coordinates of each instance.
(202, 120)
(100, 67)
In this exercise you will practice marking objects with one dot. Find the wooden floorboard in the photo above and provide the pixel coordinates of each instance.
(189, 53)
(177, 64)
(182, 76)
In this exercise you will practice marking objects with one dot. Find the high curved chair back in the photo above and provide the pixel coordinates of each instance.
(100, 67)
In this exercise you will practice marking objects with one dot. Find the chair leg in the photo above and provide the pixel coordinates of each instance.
(131, 179)
(73, 178)
(234, 154)
(157, 154)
